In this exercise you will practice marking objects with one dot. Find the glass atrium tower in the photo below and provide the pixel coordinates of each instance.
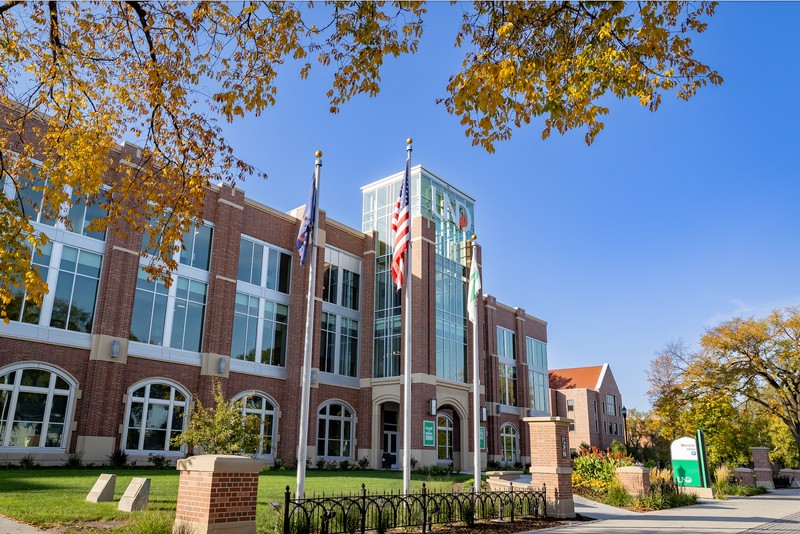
(451, 215)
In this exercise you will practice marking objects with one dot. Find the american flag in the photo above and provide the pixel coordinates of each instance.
(401, 226)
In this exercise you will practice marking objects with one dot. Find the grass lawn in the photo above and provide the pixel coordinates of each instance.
(53, 497)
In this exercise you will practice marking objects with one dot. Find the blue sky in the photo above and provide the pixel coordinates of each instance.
(668, 224)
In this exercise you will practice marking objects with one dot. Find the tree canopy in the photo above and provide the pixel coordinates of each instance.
(742, 387)
(77, 77)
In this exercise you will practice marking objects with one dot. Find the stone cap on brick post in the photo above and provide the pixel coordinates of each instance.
(217, 494)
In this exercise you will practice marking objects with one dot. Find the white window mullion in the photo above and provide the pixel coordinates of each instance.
(47, 408)
(259, 330)
(167, 342)
(52, 279)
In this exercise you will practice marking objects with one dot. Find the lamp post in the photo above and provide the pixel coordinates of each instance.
(624, 412)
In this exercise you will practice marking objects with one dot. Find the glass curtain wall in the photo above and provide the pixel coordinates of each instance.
(452, 212)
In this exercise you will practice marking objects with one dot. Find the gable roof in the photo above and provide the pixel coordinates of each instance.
(577, 377)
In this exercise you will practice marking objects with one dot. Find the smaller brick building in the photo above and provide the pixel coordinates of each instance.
(590, 397)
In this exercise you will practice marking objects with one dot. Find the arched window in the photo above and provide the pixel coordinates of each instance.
(335, 425)
(263, 407)
(444, 438)
(154, 415)
(509, 440)
(35, 404)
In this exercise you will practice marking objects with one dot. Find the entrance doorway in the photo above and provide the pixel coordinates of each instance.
(390, 458)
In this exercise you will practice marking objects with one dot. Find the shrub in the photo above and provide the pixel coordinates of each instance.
(118, 459)
(617, 496)
(344, 465)
(74, 461)
(28, 462)
(617, 447)
(320, 464)
(223, 428)
(363, 463)
(159, 461)
(600, 465)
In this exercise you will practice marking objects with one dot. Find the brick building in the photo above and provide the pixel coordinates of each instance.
(590, 397)
(112, 361)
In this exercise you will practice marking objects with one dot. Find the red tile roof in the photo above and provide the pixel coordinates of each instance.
(576, 377)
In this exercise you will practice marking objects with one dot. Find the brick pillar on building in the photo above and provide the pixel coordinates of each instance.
(551, 463)
(762, 467)
(217, 493)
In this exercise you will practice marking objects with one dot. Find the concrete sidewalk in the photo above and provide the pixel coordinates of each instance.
(776, 512)
(7, 526)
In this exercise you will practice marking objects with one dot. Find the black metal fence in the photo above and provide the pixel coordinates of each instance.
(379, 512)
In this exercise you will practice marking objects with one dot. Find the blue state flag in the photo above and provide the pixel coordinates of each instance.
(307, 225)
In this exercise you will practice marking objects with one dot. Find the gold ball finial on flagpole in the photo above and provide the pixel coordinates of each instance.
(318, 153)
(409, 141)
(474, 238)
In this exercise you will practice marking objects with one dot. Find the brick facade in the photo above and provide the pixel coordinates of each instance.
(96, 419)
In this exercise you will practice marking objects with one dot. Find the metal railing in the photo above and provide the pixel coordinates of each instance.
(379, 512)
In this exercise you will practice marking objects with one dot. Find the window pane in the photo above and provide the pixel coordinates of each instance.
(245, 260)
(154, 440)
(160, 391)
(35, 377)
(284, 274)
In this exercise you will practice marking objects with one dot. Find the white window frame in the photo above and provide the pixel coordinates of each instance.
(509, 438)
(342, 419)
(262, 414)
(191, 274)
(16, 388)
(449, 433)
(342, 261)
(171, 403)
(59, 236)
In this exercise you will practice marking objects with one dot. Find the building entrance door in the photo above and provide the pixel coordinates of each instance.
(390, 439)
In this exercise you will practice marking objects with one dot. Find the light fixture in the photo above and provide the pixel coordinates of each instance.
(221, 364)
(432, 410)
(115, 348)
(624, 412)
(497, 409)
(484, 415)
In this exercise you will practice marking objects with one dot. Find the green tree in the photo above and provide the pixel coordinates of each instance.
(223, 428)
(75, 77)
(757, 359)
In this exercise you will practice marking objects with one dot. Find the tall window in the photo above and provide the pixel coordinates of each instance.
(612, 406)
(506, 347)
(444, 438)
(537, 389)
(70, 263)
(570, 405)
(261, 314)
(35, 404)
(264, 408)
(24, 310)
(335, 426)
(509, 442)
(155, 414)
(507, 375)
(175, 316)
(340, 316)
(260, 328)
(263, 265)
(339, 348)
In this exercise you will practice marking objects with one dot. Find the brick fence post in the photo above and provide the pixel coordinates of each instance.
(217, 494)
(762, 467)
(635, 480)
(551, 463)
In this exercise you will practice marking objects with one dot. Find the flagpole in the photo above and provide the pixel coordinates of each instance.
(407, 350)
(476, 382)
(302, 446)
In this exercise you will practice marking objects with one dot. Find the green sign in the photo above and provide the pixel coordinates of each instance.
(428, 434)
(686, 463)
(483, 438)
